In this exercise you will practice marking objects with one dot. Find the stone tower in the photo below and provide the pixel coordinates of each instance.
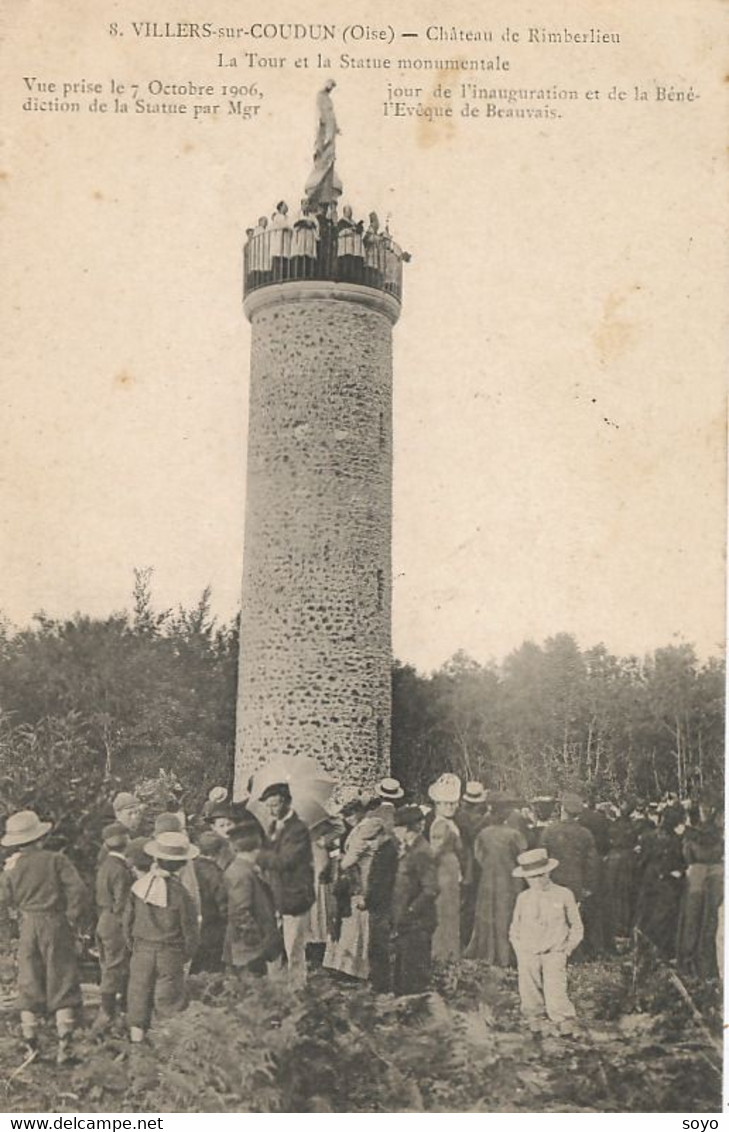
(322, 295)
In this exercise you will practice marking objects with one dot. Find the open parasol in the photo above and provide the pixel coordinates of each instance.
(310, 787)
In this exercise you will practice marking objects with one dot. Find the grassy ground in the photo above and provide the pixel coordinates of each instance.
(254, 1046)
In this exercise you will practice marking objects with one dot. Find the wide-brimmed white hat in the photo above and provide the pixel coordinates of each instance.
(171, 847)
(474, 792)
(24, 827)
(389, 789)
(447, 788)
(534, 863)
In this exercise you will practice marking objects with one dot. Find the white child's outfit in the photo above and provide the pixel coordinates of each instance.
(545, 929)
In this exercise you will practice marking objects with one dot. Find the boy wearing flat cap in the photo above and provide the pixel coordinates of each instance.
(50, 896)
(414, 916)
(213, 902)
(161, 931)
(113, 882)
(545, 930)
(252, 938)
(128, 811)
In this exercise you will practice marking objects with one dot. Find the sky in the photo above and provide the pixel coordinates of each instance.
(559, 366)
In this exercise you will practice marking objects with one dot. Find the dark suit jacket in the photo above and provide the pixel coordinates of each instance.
(381, 879)
(289, 864)
(213, 897)
(599, 827)
(252, 933)
(416, 889)
(574, 847)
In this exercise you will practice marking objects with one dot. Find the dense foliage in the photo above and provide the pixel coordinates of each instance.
(257, 1045)
(555, 715)
(87, 701)
(88, 705)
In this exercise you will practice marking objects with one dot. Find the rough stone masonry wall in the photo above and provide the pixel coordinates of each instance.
(315, 629)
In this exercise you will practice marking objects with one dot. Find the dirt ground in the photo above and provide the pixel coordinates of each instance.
(254, 1046)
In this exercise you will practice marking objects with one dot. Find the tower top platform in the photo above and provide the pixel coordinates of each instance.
(322, 242)
(318, 245)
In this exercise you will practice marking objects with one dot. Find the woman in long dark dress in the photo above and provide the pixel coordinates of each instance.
(662, 869)
(470, 819)
(496, 849)
(619, 878)
(704, 855)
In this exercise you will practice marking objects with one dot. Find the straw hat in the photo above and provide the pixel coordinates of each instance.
(171, 847)
(474, 793)
(447, 788)
(389, 789)
(24, 827)
(534, 863)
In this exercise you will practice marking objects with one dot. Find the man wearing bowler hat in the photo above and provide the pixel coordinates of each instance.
(545, 930)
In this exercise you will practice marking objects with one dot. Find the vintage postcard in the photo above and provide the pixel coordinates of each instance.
(363, 596)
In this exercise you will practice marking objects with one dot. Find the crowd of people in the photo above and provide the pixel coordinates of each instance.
(320, 244)
(375, 890)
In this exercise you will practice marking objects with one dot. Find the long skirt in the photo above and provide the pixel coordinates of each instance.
(619, 879)
(698, 920)
(319, 914)
(497, 893)
(348, 954)
(412, 962)
(446, 942)
(593, 915)
(657, 916)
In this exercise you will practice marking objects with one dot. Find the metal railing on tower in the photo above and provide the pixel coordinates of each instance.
(319, 250)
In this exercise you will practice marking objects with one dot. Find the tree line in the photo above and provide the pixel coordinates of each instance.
(89, 704)
(554, 715)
